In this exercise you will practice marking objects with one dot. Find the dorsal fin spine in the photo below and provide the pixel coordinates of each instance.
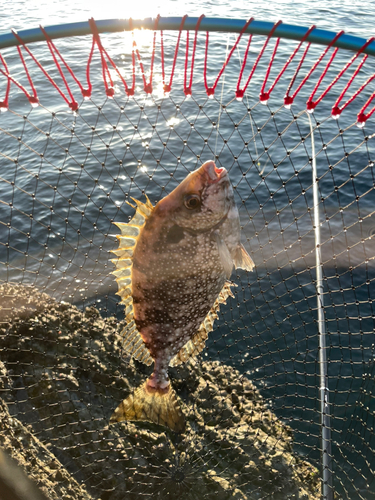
(129, 233)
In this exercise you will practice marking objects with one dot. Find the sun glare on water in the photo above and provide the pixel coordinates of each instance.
(144, 43)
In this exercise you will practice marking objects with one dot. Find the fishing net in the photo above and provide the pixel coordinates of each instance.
(280, 403)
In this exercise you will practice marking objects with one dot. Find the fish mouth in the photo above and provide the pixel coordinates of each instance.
(214, 173)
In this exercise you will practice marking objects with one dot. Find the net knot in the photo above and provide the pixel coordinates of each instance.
(310, 105)
(110, 92)
(86, 93)
(210, 91)
(187, 91)
(239, 94)
(361, 119)
(33, 100)
(336, 112)
(264, 97)
(73, 105)
(288, 100)
(148, 88)
(167, 88)
(130, 92)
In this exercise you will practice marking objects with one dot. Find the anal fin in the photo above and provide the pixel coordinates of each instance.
(133, 344)
(198, 342)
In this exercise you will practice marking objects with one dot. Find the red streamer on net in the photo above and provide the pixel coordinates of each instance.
(336, 109)
(55, 52)
(211, 90)
(4, 105)
(289, 99)
(130, 91)
(241, 92)
(362, 116)
(146, 85)
(106, 61)
(107, 79)
(33, 99)
(187, 88)
(265, 94)
(310, 104)
(168, 87)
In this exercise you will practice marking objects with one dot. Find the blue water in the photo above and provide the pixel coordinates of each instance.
(269, 330)
(353, 16)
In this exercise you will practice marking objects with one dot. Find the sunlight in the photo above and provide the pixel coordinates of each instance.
(144, 43)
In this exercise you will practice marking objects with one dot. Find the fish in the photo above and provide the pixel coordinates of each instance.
(172, 266)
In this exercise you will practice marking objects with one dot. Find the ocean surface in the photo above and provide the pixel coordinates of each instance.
(74, 181)
(352, 16)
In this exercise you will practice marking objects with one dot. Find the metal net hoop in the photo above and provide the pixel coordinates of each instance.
(127, 108)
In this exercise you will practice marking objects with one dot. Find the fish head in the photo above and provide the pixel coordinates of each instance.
(201, 200)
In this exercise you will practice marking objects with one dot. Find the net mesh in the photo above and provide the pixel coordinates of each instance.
(251, 399)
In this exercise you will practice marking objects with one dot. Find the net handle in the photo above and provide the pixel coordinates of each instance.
(287, 31)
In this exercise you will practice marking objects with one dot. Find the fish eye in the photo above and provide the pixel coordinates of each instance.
(192, 201)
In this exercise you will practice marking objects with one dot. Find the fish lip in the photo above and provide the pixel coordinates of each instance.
(213, 173)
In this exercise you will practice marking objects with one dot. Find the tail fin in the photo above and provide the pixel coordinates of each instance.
(153, 405)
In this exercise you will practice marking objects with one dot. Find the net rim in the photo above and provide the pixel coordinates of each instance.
(266, 28)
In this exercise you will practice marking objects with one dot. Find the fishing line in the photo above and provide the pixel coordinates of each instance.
(251, 121)
(221, 95)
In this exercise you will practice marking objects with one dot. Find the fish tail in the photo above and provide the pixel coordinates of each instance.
(156, 405)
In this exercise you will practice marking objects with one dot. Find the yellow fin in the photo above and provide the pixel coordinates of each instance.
(120, 264)
(125, 293)
(198, 342)
(130, 230)
(122, 272)
(122, 253)
(132, 340)
(143, 209)
(126, 241)
(151, 405)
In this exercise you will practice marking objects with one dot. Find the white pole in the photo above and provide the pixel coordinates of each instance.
(327, 490)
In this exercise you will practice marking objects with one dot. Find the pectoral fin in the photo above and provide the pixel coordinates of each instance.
(224, 254)
(242, 259)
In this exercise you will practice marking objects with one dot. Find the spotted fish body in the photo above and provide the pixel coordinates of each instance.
(180, 262)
